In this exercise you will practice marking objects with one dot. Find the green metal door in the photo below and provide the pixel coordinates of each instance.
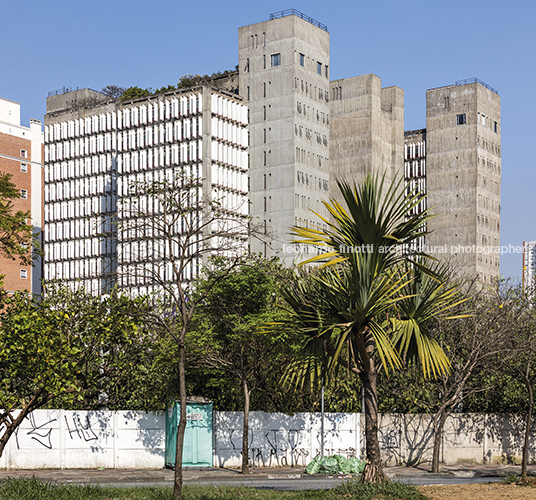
(197, 439)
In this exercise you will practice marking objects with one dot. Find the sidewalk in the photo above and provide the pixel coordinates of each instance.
(165, 476)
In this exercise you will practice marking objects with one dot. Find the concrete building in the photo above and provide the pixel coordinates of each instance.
(21, 156)
(415, 174)
(284, 80)
(463, 175)
(529, 266)
(97, 148)
(367, 130)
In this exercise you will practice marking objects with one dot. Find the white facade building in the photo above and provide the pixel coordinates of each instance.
(97, 148)
(529, 266)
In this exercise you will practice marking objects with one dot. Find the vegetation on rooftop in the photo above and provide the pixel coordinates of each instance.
(185, 82)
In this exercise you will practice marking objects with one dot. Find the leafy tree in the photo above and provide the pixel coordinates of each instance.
(518, 323)
(184, 230)
(65, 348)
(473, 343)
(229, 335)
(15, 226)
(113, 91)
(135, 92)
(346, 307)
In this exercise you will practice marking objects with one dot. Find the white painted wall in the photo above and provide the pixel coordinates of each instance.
(87, 439)
(130, 439)
(278, 439)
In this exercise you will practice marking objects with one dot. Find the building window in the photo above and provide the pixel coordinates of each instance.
(276, 60)
(264, 61)
(246, 67)
(24, 194)
(264, 89)
(23, 153)
(23, 167)
(319, 68)
(23, 274)
(326, 71)
(302, 60)
(461, 119)
(495, 127)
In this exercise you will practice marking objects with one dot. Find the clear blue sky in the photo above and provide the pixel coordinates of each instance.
(415, 45)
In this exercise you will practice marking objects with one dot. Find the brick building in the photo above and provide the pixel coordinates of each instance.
(21, 151)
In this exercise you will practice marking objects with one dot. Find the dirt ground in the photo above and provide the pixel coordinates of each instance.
(493, 491)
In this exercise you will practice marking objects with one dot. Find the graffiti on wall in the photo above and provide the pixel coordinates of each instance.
(42, 432)
(275, 447)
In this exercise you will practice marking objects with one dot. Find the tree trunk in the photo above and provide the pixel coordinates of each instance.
(373, 472)
(10, 428)
(439, 424)
(245, 433)
(525, 459)
(178, 480)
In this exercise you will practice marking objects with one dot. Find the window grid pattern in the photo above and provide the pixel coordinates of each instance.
(91, 165)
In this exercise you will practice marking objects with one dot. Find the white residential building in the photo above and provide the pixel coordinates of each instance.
(96, 148)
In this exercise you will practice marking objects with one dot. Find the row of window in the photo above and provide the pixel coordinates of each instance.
(90, 227)
(461, 119)
(306, 110)
(171, 132)
(301, 59)
(414, 150)
(128, 117)
(416, 168)
(491, 165)
(485, 221)
(307, 180)
(307, 158)
(309, 88)
(488, 145)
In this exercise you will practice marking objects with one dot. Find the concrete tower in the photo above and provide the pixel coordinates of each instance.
(284, 80)
(463, 175)
(367, 130)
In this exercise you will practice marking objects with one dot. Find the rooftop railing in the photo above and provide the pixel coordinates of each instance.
(476, 80)
(294, 12)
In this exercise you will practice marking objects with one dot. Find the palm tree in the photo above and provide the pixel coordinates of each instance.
(355, 307)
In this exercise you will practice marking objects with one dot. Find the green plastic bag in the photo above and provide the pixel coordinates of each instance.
(335, 464)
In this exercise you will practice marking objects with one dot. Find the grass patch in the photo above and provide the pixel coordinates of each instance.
(34, 489)
(520, 481)
(389, 490)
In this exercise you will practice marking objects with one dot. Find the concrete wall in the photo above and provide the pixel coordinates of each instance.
(58, 439)
(278, 439)
(129, 439)
(468, 438)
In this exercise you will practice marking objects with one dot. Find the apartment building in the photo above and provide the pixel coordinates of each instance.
(284, 80)
(457, 159)
(529, 267)
(367, 130)
(21, 156)
(97, 149)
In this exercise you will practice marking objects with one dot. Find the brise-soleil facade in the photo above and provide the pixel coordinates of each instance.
(99, 155)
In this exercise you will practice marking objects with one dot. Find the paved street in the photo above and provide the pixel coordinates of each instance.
(286, 478)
